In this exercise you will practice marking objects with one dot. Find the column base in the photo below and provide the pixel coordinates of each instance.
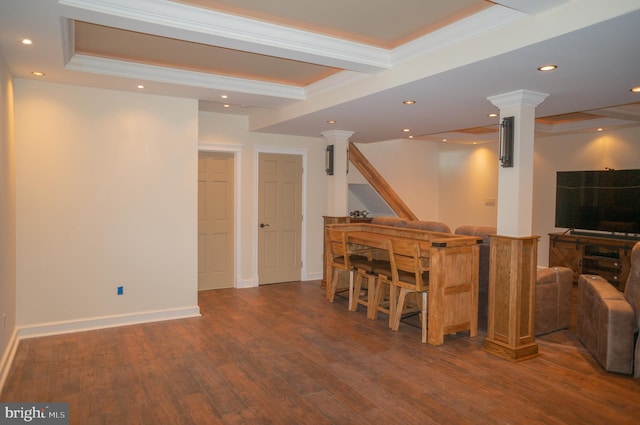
(514, 354)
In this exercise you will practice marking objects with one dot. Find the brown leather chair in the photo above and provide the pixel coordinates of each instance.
(608, 320)
(553, 299)
(389, 221)
(432, 226)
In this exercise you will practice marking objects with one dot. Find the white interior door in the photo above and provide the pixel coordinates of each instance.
(280, 217)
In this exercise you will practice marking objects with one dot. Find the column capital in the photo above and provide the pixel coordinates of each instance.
(332, 135)
(518, 97)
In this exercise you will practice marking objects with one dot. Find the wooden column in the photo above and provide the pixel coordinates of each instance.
(512, 294)
(337, 185)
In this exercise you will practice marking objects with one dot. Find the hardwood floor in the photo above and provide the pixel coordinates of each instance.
(282, 354)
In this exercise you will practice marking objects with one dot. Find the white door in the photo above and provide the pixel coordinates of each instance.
(215, 220)
(280, 217)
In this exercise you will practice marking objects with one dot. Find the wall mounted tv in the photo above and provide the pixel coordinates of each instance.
(607, 200)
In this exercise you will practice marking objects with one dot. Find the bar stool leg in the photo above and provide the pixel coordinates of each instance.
(423, 313)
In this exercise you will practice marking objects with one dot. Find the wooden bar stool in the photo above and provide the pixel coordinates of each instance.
(342, 258)
(385, 294)
(409, 273)
(366, 272)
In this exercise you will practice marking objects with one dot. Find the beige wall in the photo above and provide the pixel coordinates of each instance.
(405, 165)
(231, 132)
(7, 223)
(464, 177)
(106, 196)
(619, 149)
(468, 183)
(469, 173)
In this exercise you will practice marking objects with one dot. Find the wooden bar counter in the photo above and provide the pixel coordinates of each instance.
(453, 273)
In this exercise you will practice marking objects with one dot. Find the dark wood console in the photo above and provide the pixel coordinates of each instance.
(609, 257)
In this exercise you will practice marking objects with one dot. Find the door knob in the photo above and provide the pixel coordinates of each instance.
(263, 225)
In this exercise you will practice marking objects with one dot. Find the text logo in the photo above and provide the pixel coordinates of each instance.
(34, 413)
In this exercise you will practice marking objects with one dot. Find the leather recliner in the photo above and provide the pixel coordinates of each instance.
(608, 320)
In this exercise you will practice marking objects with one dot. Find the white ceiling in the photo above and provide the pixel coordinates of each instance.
(292, 65)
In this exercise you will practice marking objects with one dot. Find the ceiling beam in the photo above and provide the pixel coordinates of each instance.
(188, 23)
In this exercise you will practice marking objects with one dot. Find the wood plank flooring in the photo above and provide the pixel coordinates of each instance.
(281, 354)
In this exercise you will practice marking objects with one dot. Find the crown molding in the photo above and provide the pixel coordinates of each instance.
(518, 97)
(470, 27)
(531, 7)
(189, 23)
(333, 82)
(118, 68)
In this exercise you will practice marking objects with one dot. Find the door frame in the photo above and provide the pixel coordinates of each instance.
(236, 150)
(303, 234)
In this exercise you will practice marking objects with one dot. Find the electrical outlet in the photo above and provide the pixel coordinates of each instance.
(120, 290)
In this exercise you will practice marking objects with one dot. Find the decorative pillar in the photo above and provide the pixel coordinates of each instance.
(513, 259)
(515, 184)
(337, 188)
(512, 298)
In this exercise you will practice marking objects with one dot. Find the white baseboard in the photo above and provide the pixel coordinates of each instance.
(312, 276)
(253, 283)
(249, 283)
(55, 328)
(7, 358)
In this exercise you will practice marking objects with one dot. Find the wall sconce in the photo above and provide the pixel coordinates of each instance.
(328, 160)
(506, 142)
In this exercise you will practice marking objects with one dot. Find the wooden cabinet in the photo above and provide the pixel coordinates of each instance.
(588, 254)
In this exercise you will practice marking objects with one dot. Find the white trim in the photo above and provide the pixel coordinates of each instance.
(312, 276)
(248, 283)
(531, 7)
(216, 147)
(457, 32)
(237, 170)
(199, 25)
(120, 68)
(7, 358)
(303, 242)
(63, 327)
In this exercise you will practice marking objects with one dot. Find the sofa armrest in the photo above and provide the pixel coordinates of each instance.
(605, 324)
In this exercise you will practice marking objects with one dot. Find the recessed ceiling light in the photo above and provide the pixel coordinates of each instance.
(600, 129)
(409, 102)
(331, 122)
(37, 73)
(224, 96)
(410, 137)
(406, 130)
(636, 89)
(444, 140)
(492, 115)
(26, 41)
(547, 68)
(226, 105)
(140, 86)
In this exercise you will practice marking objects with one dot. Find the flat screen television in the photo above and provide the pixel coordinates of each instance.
(607, 200)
